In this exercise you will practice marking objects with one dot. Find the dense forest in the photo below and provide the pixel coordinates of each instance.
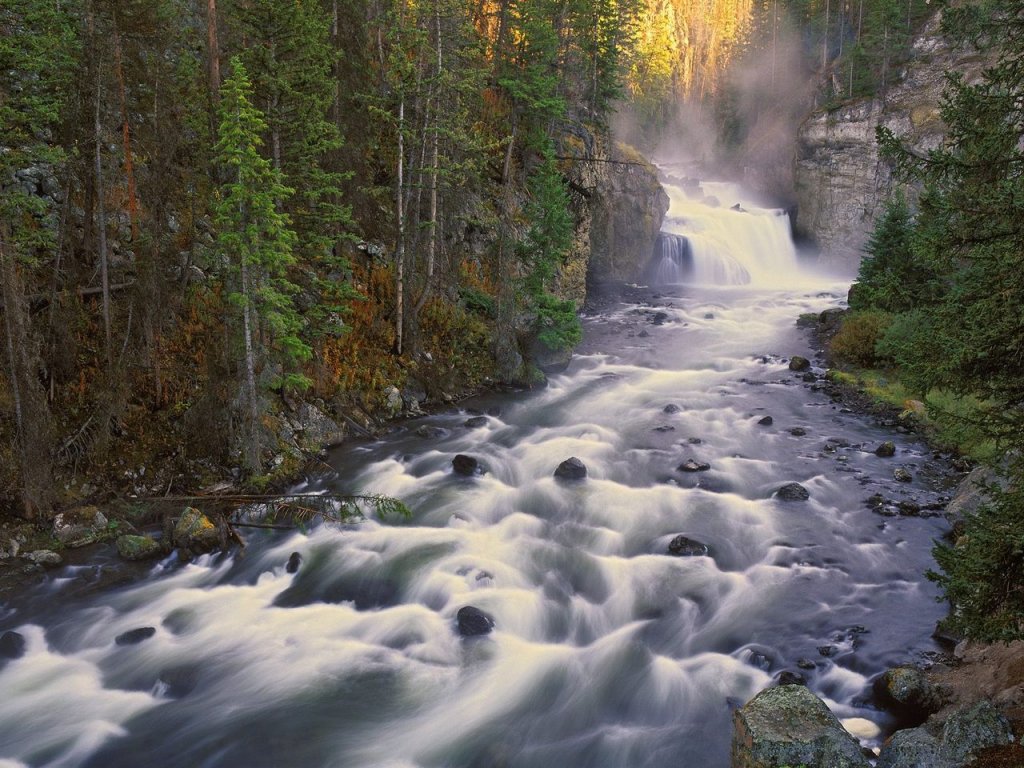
(212, 208)
(937, 304)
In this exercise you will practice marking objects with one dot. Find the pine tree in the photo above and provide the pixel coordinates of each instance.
(257, 240)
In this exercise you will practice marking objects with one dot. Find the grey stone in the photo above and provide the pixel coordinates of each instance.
(692, 465)
(798, 363)
(131, 547)
(792, 492)
(195, 532)
(790, 726)
(683, 546)
(970, 729)
(886, 449)
(912, 748)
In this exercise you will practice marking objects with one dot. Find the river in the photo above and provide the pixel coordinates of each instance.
(607, 651)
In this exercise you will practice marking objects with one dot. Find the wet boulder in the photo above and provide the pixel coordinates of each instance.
(671, 408)
(12, 645)
(797, 363)
(45, 557)
(135, 636)
(692, 465)
(901, 474)
(766, 421)
(886, 449)
(571, 469)
(792, 492)
(789, 677)
(790, 726)
(798, 431)
(195, 532)
(472, 622)
(466, 465)
(683, 546)
(131, 547)
(294, 561)
(475, 421)
(430, 431)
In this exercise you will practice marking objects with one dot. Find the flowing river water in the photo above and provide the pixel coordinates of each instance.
(607, 651)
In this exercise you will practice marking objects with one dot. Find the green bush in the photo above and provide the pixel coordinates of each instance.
(857, 338)
(983, 573)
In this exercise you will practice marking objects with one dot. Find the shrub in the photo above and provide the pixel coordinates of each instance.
(983, 573)
(857, 338)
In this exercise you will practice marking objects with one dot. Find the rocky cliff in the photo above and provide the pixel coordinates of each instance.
(618, 206)
(841, 183)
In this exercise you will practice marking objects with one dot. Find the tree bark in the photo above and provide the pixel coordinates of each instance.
(213, 49)
(101, 221)
(126, 137)
(400, 221)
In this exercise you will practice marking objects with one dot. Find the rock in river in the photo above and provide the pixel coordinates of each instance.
(797, 363)
(790, 726)
(474, 622)
(683, 546)
(692, 465)
(793, 492)
(12, 645)
(132, 547)
(571, 469)
(135, 636)
(466, 465)
(886, 449)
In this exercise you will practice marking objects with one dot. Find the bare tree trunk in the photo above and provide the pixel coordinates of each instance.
(400, 221)
(213, 49)
(253, 441)
(824, 42)
(129, 165)
(101, 223)
(434, 170)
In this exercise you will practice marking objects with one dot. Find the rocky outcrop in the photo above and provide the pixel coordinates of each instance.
(790, 726)
(841, 182)
(618, 206)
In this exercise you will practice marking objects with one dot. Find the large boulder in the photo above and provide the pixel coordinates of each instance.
(12, 645)
(971, 729)
(195, 532)
(907, 692)
(912, 748)
(790, 726)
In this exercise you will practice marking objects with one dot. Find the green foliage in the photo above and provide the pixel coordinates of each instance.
(983, 572)
(893, 276)
(970, 340)
(557, 321)
(252, 234)
(856, 340)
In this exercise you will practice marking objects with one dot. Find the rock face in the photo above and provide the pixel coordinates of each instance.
(618, 208)
(790, 726)
(841, 183)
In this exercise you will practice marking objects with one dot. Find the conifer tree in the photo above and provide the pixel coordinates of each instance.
(256, 238)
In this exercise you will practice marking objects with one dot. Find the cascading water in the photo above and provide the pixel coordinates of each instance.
(714, 234)
(607, 652)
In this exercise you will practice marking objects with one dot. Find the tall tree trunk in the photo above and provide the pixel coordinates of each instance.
(253, 428)
(434, 169)
(824, 42)
(213, 49)
(126, 137)
(400, 221)
(101, 221)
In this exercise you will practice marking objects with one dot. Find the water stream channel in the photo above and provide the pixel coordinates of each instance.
(607, 651)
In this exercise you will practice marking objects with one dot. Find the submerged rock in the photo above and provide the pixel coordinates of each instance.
(475, 421)
(571, 469)
(692, 465)
(790, 726)
(797, 363)
(792, 492)
(135, 636)
(798, 431)
(683, 546)
(12, 645)
(671, 408)
(473, 622)
(466, 465)
(886, 449)
(131, 547)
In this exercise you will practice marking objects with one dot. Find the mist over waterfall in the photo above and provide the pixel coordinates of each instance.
(717, 234)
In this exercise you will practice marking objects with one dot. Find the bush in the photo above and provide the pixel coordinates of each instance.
(857, 338)
(983, 573)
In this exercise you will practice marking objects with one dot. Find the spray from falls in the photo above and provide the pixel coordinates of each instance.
(715, 235)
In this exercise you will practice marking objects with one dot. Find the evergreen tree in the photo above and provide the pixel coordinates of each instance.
(257, 240)
(969, 227)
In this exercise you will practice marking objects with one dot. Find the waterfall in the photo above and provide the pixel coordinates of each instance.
(714, 234)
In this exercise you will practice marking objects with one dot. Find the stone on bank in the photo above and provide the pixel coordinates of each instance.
(790, 726)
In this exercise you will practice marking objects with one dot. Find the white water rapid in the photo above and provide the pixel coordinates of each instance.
(607, 650)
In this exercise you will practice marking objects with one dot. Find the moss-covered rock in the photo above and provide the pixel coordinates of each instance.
(195, 532)
(79, 527)
(132, 547)
(790, 726)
